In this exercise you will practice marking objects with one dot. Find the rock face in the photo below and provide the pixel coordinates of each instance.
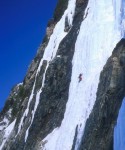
(111, 91)
(34, 114)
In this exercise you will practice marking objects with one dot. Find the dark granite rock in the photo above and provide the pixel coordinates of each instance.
(60, 8)
(75, 138)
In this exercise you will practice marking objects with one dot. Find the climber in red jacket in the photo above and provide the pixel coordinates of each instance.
(80, 77)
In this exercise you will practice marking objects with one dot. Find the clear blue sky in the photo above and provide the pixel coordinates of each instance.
(22, 27)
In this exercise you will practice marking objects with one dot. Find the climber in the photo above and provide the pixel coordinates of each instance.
(80, 77)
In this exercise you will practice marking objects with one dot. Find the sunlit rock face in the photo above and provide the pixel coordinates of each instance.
(69, 94)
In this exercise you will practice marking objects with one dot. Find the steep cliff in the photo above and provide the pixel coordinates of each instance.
(65, 100)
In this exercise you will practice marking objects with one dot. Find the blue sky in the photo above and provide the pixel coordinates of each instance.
(22, 27)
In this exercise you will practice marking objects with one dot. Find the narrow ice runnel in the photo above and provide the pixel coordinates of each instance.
(36, 103)
(99, 33)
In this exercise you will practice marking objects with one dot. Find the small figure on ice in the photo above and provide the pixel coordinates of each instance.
(80, 77)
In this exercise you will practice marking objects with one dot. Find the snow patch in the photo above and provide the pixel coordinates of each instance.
(20, 84)
(58, 56)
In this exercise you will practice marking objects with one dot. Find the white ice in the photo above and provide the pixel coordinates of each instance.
(99, 33)
(36, 103)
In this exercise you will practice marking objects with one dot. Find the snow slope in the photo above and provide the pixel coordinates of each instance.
(100, 31)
